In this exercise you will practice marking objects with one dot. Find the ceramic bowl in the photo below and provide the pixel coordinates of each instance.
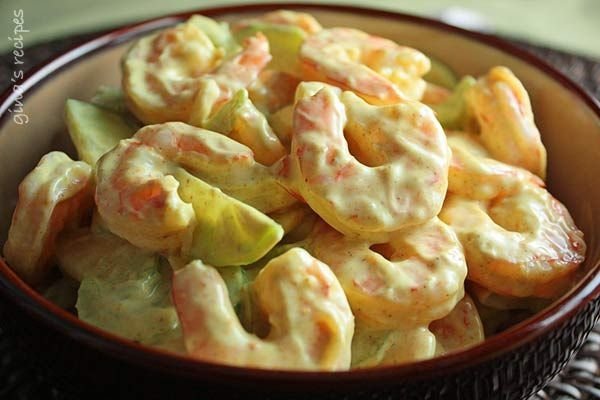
(513, 364)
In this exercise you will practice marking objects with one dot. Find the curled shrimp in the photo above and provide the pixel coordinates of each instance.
(139, 195)
(460, 329)
(377, 69)
(502, 110)
(311, 324)
(302, 20)
(524, 244)
(399, 174)
(180, 71)
(474, 174)
(410, 281)
(56, 194)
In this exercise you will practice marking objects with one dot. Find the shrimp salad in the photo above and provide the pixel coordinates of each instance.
(271, 193)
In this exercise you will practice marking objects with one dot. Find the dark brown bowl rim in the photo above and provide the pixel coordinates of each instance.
(31, 302)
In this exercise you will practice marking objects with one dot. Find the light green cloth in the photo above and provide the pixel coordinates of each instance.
(571, 25)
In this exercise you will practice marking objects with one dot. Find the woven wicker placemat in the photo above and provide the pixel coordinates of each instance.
(580, 380)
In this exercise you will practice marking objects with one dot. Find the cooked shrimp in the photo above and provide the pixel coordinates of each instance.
(474, 174)
(502, 110)
(460, 329)
(56, 194)
(164, 74)
(304, 21)
(399, 174)
(391, 347)
(410, 281)
(139, 196)
(377, 69)
(525, 244)
(310, 319)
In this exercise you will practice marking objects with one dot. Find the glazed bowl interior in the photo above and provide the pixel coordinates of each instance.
(569, 122)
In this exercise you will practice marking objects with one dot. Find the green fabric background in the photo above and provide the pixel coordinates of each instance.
(571, 25)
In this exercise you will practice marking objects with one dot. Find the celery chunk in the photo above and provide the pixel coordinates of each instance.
(452, 112)
(284, 44)
(441, 74)
(227, 232)
(94, 130)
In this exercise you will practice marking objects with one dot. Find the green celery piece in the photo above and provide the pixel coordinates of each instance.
(284, 44)
(495, 321)
(62, 292)
(110, 98)
(100, 254)
(224, 119)
(94, 130)
(227, 232)
(369, 347)
(501, 302)
(253, 269)
(218, 33)
(453, 111)
(136, 305)
(441, 74)
(241, 121)
(236, 279)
